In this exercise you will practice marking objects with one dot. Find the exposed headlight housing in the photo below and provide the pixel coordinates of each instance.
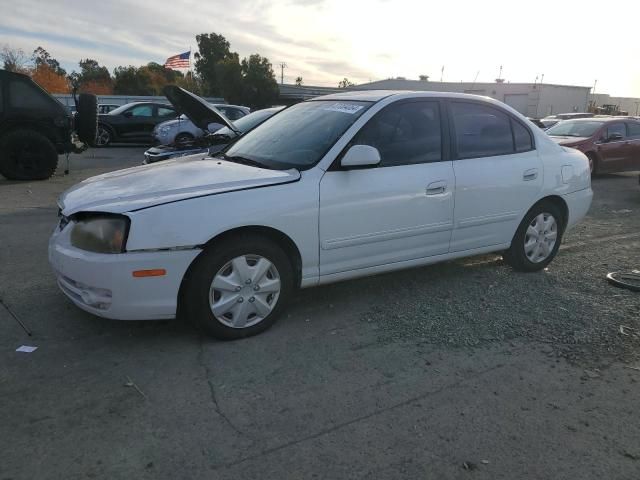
(100, 233)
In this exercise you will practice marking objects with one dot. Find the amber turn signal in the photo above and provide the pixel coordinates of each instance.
(156, 272)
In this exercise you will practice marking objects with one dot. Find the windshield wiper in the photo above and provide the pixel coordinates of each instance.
(242, 160)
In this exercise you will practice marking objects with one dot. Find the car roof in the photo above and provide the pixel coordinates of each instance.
(598, 119)
(377, 95)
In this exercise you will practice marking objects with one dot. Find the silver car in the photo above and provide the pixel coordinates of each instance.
(182, 130)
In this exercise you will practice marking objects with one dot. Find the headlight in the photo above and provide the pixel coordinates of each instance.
(100, 233)
(164, 130)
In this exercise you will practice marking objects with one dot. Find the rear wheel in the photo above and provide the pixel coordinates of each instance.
(27, 155)
(537, 239)
(238, 288)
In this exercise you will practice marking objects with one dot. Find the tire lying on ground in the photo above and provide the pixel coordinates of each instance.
(87, 118)
(27, 155)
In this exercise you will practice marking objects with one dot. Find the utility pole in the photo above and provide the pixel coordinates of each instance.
(441, 73)
(282, 67)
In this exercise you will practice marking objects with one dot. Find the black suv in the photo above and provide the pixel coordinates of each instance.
(35, 128)
(133, 122)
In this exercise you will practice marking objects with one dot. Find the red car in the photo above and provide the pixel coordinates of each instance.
(612, 144)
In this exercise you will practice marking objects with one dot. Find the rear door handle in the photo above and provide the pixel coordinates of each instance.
(530, 174)
(436, 188)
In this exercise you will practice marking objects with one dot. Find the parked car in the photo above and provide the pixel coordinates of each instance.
(213, 142)
(107, 107)
(611, 144)
(183, 130)
(133, 122)
(537, 122)
(570, 116)
(549, 122)
(35, 128)
(337, 187)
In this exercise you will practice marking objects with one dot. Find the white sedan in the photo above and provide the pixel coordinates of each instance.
(330, 189)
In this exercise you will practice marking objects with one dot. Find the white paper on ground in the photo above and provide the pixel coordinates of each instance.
(26, 349)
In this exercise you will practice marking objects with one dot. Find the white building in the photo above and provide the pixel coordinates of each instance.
(531, 99)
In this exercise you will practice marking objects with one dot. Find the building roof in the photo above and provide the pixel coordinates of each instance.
(403, 84)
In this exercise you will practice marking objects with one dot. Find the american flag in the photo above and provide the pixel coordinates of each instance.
(178, 61)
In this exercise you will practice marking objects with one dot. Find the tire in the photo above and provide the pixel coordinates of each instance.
(104, 136)
(223, 273)
(522, 253)
(27, 155)
(87, 118)
(182, 138)
(593, 164)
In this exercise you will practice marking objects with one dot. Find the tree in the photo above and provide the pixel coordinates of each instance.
(49, 79)
(299, 81)
(92, 78)
(13, 59)
(260, 86)
(131, 81)
(41, 58)
(212, 49)
(230, 77)
(344, 83)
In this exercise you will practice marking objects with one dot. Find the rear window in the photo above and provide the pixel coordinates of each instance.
(26, 95)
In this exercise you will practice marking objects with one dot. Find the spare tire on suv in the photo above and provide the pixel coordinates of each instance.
(35, 128)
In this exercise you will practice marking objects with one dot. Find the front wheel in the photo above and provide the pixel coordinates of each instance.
(238, 288)
(103, 136)
(537, 239)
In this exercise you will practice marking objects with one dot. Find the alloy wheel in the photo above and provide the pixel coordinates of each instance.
(103, 137)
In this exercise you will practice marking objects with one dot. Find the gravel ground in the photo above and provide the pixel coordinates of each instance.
(569, 306)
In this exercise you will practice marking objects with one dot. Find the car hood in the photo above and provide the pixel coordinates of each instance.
(567, 140)
(194, 107)
(169, 181)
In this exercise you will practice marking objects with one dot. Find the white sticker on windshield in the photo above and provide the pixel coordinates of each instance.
(344, 108)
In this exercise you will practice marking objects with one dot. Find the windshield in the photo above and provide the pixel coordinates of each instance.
(299, 136)
(119, 110)
(570, 128)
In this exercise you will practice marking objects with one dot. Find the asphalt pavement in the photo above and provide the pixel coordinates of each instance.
(460, 370)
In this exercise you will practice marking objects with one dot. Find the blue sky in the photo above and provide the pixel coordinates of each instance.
(326, 40)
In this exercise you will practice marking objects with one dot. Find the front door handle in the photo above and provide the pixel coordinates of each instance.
(530, 174)
(436, 188)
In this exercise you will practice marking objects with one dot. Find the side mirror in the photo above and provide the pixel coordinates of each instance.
(360, 156)
(614, 137)
(128, 114)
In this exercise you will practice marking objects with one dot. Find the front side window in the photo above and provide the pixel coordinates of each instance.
(299, 136)
(404, 134)
(166, 112)
(616, 129)
(142, 111)
(481, 131)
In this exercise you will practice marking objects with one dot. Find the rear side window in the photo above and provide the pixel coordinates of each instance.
(404, 134)
(483, 131)
(142, 111)
(634, 130)
(25, 95)
(521, 137)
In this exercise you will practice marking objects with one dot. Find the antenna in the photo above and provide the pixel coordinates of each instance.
(282, 67)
